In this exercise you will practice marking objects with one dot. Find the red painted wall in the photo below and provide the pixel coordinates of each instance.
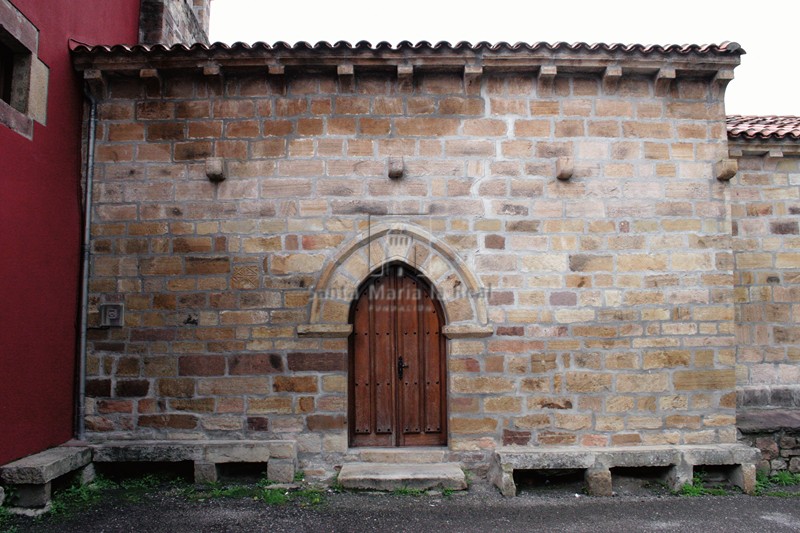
(40, 232)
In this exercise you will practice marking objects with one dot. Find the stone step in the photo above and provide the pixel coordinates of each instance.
(392, 476)
(399, 455)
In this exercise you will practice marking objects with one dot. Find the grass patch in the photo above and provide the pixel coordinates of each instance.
(274, 497)
(768, 485)
(697, 488)
(784, 478)
(5, 521)
(79, 497)
(308, 497)
(405, 491)
(134, 489)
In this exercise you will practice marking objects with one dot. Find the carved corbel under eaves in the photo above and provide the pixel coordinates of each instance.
(96, 83)
(346, 75)
(152, 81)
(546, 79)
(664, 80)
(405, 78)
(472, 78)
(213, 73)
(277, 78)
(611, 78)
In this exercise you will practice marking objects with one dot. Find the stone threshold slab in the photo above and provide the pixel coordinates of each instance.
(391, 476)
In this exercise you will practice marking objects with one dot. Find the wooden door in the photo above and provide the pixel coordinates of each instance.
(397, 378)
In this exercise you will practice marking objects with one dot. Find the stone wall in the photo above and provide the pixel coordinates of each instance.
(765, 204)
(170, 22)
(609, 295)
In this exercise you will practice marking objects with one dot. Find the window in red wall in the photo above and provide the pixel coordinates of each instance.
(6, 72)
(23, 76)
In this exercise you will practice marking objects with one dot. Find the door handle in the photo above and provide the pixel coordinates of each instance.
(400, 366)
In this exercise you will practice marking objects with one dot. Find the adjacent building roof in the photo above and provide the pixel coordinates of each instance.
(769, 127)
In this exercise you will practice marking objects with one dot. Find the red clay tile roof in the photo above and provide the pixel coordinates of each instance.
(763, 127)
(422, 46)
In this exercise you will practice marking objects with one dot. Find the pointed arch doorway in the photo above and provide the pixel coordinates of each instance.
(397, 365)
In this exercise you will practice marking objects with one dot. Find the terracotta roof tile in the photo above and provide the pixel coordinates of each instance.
(724, 48)
(763, 127)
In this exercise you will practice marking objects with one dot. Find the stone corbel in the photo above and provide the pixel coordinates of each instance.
(405, 78)
(277, 77)
(775, 153)
(663, 80)
(346, 78)
(472, 76)
(96, 83)
(565, 168)
(215, 169)
(611, 78)
(213, 73)
(721, 80)
(152, 81)
(726, 169)
(546, 79)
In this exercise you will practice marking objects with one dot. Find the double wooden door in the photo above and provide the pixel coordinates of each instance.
(397, 375)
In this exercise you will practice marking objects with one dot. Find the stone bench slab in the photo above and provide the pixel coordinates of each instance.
(597, 462)
(207, 451)
(280, 456)
(44, 467)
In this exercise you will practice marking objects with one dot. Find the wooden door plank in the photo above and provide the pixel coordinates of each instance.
(362, 385)
(383, 357)
(409, 348)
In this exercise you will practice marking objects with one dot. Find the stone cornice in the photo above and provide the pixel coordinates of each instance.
(610, 61)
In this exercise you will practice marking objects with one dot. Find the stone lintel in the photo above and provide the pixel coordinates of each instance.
(329, 331)
(467, 331)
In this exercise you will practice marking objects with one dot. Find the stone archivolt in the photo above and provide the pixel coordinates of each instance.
(459, 289)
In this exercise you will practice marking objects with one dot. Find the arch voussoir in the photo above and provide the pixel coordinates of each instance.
(463, 297)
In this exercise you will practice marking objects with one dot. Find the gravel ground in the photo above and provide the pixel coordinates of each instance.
(479, 509)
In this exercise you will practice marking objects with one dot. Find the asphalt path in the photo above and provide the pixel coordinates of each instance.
(481, 509)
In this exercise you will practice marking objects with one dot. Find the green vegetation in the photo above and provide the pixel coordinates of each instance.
(263, 490)
(765, 485)
(79, 497)
(5, 521)
(785, 478)
(405, 491)
(697, 488)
